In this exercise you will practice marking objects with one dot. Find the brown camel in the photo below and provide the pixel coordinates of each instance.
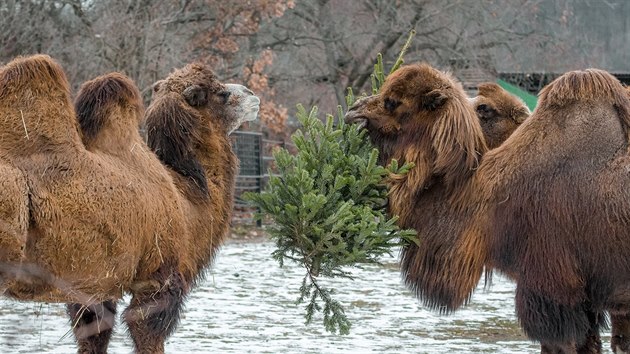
(499, 112)
(548, 207)
(107, 217)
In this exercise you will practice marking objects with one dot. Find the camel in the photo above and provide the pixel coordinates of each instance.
(500, 113)
(107, 216)
(548, 207)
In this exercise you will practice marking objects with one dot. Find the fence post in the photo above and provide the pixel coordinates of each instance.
(260, 173)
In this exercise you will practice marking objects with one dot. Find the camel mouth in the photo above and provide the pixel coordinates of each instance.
(251, 109)
(353, 117)
(360, 123)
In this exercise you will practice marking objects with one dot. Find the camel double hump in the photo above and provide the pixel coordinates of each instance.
(90, 212)
(549, 207)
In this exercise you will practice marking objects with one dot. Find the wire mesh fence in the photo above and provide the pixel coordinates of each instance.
(256, 160)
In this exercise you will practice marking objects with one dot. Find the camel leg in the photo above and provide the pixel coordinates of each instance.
(154, 311)
(92, 326)
(620, 336)
(550, 348)
(561, 329)
(592, 343)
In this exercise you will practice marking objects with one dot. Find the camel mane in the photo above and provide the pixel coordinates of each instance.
(175, 128)
(455, 134)
(98, 98)
(442, 136)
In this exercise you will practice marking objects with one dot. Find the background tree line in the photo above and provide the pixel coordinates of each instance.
(291, 51)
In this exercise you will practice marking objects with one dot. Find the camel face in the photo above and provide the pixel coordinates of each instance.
(407, 96)
(246, 105)
(419, 114)
(499, 112)
(224, 106)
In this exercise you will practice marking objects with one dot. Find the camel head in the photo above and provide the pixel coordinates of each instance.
(190, 118)
(224, 106)
(423, 116)
(499, 112)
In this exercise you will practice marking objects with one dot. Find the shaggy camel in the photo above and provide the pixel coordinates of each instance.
(548, 207)
(499, 112)
(107, 217)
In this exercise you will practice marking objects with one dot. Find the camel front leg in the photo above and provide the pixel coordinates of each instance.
(560, 328)
(620, 336)
(592, 343)
(155, 309)
(551, 348)
(93, 326)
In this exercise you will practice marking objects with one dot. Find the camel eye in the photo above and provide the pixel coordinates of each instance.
(225, 96)
(485, 111)
(390, 105)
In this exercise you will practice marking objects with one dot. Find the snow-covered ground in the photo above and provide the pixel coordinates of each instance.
(247, 305)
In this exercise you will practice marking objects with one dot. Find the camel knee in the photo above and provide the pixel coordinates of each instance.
(153, 314)
(92, 326)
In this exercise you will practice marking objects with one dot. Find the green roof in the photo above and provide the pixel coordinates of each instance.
(529, 99)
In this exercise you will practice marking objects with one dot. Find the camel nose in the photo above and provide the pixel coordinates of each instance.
(353, 112)
(248, 91)
(358, 103)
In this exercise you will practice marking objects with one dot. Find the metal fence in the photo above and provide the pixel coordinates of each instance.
(254, 154)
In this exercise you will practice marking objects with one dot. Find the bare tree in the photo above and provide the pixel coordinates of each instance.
(327, 45)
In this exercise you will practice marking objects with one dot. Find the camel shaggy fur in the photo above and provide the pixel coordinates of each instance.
(499, 112)
(548, 207)
(106, 216)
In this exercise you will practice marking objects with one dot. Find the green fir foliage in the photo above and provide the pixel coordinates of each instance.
(327, 205)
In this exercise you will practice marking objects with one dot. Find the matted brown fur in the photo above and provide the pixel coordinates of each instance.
(13, 212)
(110, 110)
(96, 221)
(499, 112)
(549, 207)
(434, 130)
(108, 216)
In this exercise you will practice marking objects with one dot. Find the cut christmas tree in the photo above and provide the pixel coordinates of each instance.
(327, 205)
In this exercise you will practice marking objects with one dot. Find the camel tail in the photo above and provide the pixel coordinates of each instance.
(98, 97)
(37, 74)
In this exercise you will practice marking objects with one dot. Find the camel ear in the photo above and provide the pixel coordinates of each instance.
(520, 114)
(433, 100)
(157, 86)
(195, 95)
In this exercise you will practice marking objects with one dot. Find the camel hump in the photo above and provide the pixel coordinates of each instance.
(39, 73)
(36, 107)
(583, 85)
(99, 98)
(590, 85)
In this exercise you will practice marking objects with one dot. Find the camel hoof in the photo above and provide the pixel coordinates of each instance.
(620, 345)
